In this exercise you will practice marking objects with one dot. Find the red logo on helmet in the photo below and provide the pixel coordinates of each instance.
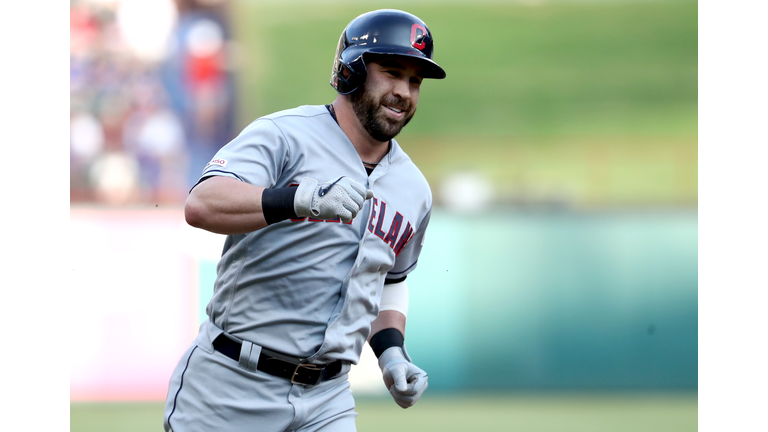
(417, 40)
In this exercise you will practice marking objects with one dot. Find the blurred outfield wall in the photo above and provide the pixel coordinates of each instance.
(505, 300)
(560, 300)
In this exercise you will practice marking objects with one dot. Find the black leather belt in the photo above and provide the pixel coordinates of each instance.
(290, 368)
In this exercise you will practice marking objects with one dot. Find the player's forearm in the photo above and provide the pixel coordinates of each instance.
(387, 319)
(224, 205)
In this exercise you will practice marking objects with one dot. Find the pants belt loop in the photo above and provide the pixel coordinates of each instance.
(345, 368)
(245, 355)
(253, 360)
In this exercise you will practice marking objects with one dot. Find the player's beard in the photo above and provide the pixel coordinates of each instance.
(369, 111)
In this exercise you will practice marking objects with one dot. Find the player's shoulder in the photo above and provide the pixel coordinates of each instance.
(287, 122)
(399, 158)
(304, 111)
(408, 169)
(283, 122)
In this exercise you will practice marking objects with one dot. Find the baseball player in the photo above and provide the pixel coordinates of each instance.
(325, 217)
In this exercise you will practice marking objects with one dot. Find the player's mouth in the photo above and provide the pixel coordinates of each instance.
(394, 111)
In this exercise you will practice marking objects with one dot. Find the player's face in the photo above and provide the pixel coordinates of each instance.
(389, 98)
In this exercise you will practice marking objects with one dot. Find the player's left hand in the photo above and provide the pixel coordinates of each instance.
(405, 381)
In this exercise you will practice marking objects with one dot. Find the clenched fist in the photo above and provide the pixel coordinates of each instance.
(341, 198)
(405, 381)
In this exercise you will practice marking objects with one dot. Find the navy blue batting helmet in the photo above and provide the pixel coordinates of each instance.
(385, 32)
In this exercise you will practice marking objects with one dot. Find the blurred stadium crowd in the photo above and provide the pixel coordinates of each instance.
(151, 97)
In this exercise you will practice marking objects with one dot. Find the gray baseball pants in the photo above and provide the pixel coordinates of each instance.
(211, 392)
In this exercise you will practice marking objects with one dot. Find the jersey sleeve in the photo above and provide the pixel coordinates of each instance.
(409, 255)
(258, 156)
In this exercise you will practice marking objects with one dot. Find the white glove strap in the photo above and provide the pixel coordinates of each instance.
(390, 356)
(302, 203)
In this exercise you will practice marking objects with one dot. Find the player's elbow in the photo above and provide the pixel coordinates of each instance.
(194, 212)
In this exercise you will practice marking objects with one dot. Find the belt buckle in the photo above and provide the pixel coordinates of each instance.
(309, 366)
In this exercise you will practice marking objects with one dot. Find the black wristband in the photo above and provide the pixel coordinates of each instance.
(386, 338)
(277, 204)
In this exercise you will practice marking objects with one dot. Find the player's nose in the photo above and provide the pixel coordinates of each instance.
(402, 89)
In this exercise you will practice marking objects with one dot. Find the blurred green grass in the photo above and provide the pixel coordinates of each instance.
(513, 69)
(591, 103)
(486, 412)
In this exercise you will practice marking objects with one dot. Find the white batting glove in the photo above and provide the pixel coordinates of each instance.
(405, 381)
(341, 198)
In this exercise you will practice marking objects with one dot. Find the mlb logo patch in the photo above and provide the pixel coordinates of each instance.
(219, 162)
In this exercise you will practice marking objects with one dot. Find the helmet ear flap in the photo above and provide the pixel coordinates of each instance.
(344, 78)
(347, 80)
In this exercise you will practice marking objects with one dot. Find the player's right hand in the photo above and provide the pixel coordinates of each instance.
(405, 381)
(340, 198)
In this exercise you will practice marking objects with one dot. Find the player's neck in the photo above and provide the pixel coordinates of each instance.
(367, 147)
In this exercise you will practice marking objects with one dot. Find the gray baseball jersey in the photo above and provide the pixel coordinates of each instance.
(306, 287)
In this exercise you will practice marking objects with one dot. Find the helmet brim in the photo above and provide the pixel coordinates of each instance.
(430, 69)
